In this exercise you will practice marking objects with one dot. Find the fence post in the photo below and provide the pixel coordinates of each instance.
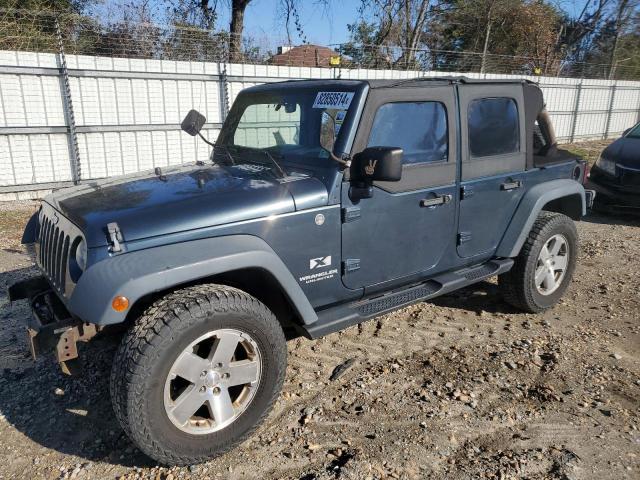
(612, 98)
(224, 92)
(69, 117)
(576, 109)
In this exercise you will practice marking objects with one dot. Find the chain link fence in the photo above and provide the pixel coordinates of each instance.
(36, 31)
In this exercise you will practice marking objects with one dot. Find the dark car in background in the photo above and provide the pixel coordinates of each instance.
(616, 175)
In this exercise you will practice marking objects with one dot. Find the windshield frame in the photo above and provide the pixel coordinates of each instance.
(346, 136)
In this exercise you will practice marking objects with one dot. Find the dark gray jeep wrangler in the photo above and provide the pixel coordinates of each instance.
(322, 205)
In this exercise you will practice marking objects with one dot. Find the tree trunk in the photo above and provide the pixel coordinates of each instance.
(235, 29)
(618, 26)
(485, 49)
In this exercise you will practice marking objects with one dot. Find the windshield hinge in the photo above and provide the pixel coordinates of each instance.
(115, 237)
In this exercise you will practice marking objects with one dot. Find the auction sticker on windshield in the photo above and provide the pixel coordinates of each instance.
(337, 100)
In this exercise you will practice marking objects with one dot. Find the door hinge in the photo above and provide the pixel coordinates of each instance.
(350, 214)
(463, 237)
(466, 191)
(350, 265)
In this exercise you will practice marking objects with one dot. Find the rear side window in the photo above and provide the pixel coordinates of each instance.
(493, 127)
(419, 128)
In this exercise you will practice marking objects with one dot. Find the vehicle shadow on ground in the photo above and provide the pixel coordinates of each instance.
(71, 415)
(602, 218)
(480, 297)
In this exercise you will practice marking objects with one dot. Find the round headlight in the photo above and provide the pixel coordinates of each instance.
(81, 255)
(77, 258)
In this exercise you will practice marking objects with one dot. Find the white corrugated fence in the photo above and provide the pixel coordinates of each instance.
(128, 111)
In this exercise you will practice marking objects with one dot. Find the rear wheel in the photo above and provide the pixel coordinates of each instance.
(197, 373)
(544, 268)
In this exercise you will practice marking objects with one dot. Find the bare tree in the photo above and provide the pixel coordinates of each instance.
(414, 16)
(289, 11)
(236, 26)
(624, 14)
(386, 25)
(576, 32)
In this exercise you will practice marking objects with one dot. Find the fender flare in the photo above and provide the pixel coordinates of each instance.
(30, 234)
(139, 273)
(529, 208)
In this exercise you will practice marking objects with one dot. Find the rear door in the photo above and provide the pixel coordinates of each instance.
(493, 164)
(404, 228)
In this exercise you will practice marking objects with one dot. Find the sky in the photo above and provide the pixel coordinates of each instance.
(322, 27)
(265, 24)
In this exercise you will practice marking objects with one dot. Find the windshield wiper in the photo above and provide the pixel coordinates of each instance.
(248, 150)
(280, 170)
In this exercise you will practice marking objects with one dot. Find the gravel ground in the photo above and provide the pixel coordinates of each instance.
(462, 388)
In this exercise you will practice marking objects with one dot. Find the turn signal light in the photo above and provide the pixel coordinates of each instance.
(120, 303)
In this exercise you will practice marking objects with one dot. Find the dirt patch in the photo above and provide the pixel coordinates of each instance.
(462, 388)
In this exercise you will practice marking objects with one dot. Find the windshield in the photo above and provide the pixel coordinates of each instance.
(285, 126)
(635, 132)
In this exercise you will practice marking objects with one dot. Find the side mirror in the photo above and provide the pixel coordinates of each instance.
(193, 122)
(377, 164)
(327, 132)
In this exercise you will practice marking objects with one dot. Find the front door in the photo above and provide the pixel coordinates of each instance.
(493, 164)
(404, 228)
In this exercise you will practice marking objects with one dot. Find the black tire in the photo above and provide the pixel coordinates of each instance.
(148, 350)
(518, 284)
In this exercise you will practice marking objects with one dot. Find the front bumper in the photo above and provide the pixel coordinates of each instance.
(51, 327)
(615, 199)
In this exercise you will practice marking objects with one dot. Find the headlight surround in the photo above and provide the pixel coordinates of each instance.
(78, 258)
(81, 255)
(606, 165)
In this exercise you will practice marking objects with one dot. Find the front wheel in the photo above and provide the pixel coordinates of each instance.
(544, 268)
(197, 373)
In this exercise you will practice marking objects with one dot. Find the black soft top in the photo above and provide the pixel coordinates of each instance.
(408, 82)
(440, 80)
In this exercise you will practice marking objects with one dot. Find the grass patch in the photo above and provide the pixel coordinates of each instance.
(589, 151)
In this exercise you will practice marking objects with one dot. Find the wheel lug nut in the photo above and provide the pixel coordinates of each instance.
(204, 373)
(216, 390)
(218, 365)
(203, 389)
(225, 375)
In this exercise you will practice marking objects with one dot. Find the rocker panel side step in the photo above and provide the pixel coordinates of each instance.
(336, 318)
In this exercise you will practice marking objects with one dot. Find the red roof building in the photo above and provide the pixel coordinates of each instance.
(303, 56)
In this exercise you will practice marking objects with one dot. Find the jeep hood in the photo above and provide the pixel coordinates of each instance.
(184, 198)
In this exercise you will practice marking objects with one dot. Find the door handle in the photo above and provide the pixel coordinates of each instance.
(436, 201)
(511, 185)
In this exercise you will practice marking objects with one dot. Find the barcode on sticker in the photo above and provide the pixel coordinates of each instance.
(339, 100)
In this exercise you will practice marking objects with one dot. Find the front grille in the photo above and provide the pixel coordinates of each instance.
(53, 255)
(630, 178)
